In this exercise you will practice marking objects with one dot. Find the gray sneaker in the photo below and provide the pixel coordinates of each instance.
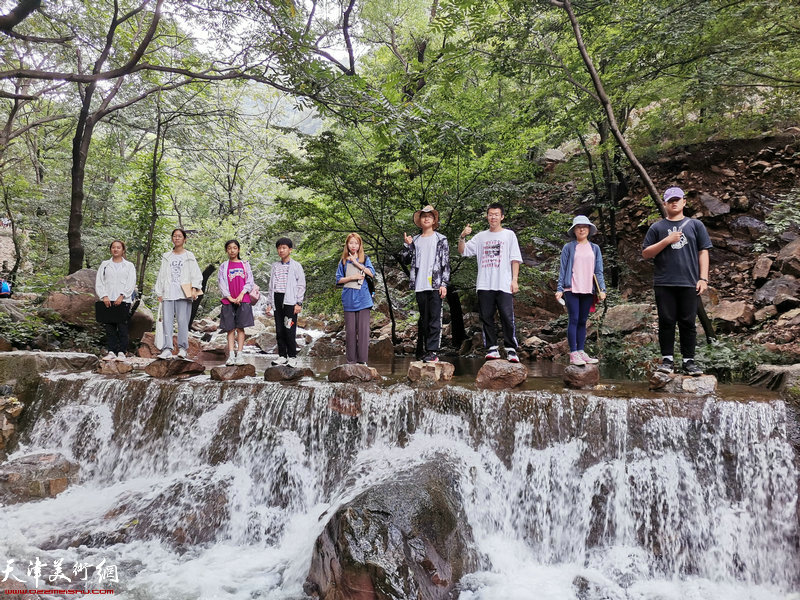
(692, 368)
(166, 354)
(666, 366)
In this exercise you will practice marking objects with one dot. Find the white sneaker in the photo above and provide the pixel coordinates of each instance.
(239, 360)
(109, 356)
(166, 354)
(576, 359)
(588, 359)
(121, 356)
(493, 353)
(279, 361)
(291, 362)
(231, 360)
(511, 355)
(182, 354)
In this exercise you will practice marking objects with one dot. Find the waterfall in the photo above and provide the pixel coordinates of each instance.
(199, 489)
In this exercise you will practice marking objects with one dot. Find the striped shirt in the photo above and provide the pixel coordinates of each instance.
(281, 274)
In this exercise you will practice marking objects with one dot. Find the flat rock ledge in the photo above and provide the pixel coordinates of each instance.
(500, 375)
(114, 367)
(431, 371)
(232, 373)
(36, 476)
(674, 383)
(286, 373)
(174, 367)
(777, 377)
(348, 372)
(581, 378)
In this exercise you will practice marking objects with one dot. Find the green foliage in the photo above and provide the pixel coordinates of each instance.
(733, 359)
(784, 216)
(43, 329)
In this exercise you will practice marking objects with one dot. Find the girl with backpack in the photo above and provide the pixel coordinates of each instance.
(352, 273)
(115, 285)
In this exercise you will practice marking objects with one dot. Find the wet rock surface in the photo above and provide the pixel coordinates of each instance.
(22, 369)
(286, 373)
(431, 371)
(344, 373)
(174, 367)
(114, 367)
(500, 374)
(233, 373)
(10, 410)
(581, 378)
(683, 384)
(35, 476)
(405, 539)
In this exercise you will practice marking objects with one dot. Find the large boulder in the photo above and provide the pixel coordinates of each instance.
(581, 378)
(730, 316)
(674, 383)
(141, 322)
(500, 374)
(787, 286)
(431, 371)
(788, 260)
(114, 367)
(35, 476)
(381, 349)
(73, 298)
(349, 372)
(408, 538)
(713, 206)
(15, 309)
(625, 318)
(174, 367)
(232, 373)
(286, 373)
(328, 347)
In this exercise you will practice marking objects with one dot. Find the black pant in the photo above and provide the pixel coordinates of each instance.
(430, 319)
(488, 300)
(117, 337)
(676, 305)
(287, 344)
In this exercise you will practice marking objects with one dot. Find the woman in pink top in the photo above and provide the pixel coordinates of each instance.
(235, 279)
(580, 275)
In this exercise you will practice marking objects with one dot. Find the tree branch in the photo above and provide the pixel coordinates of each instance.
(18, 14)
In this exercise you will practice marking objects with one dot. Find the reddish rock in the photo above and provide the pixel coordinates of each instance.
(762, 314)
(35, 476)
(500, 374)
(148, 349)
(286, 373)
(349, 372)
(328, 347)
(786, 285)
(233, 372)
(761, 269)
(581, 378)
(73, 298)
(174, 367)
(114, 367)
(5, 345)
(431, 371)
(732, 315)
(675, 383)
(382, 349)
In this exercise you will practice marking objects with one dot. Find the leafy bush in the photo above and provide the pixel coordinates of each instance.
(41, 330)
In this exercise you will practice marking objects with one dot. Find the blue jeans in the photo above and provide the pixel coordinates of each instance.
(578, 306)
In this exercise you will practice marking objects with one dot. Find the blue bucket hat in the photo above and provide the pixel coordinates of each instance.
(581, 220)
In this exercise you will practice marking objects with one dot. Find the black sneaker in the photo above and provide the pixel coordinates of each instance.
(430, 357)
(666, 366)
(692, 368)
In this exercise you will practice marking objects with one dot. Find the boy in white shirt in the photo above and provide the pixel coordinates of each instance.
(499, 258)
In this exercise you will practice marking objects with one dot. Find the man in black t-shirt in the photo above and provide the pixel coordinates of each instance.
(679, 247)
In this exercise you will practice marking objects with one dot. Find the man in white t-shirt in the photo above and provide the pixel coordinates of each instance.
(499, 258)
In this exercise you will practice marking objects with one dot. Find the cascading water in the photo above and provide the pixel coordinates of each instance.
(197, 489)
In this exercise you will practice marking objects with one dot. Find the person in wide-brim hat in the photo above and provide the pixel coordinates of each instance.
(581, 220)
(427, 209)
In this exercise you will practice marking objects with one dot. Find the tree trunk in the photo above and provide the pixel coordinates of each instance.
(12, 274)
(80, 150)
(154, 164)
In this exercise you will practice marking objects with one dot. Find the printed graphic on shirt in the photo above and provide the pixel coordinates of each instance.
(234, 272)
(681, 242)
(492, 250)
(176, 266)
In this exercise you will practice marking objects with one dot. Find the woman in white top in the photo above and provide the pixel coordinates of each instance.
(115, 283)
(178, 284)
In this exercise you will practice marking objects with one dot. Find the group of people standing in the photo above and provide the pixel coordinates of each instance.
(678, 245)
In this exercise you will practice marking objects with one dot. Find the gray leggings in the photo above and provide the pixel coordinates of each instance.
(183, 310)
(356, 328)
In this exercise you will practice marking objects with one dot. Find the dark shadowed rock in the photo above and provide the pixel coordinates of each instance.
(749, 226)
(267, 342)
(114, 367)
(437, 371)
(15, 309)
(328, 347)
(141, 322)
(713, 206)
(500, 374)
(232, 373)
(788, 260)
(730, 316)
(581, 378)
(625, 318)
(174, 367)
(35, 476)
(286, 373)
(353, 373)
(683, 384)
(776, 377)
(788, 286)
(5, 345)
(381, 349)
(406, 539)
(786, 302)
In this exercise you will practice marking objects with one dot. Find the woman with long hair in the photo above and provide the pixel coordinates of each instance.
(178, 284)
(353, 269)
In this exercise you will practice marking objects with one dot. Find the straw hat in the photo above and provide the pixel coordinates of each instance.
(427, 209)
(581, 220)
